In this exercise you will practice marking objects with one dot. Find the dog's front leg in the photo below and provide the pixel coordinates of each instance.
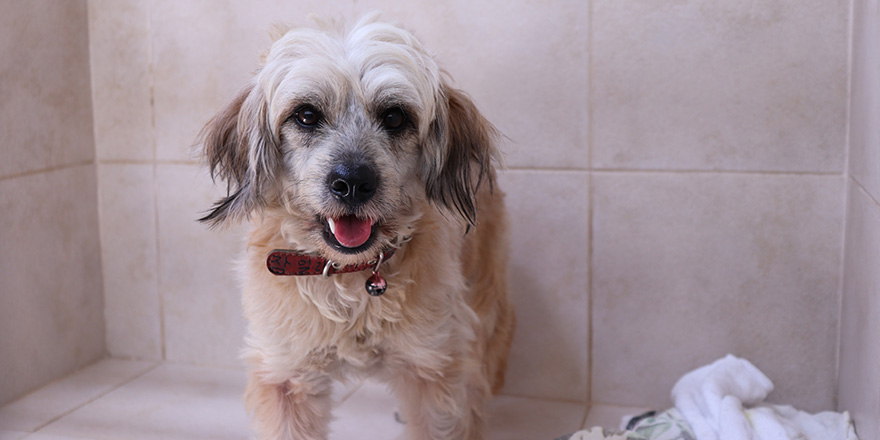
(294, 409)
(442, 408)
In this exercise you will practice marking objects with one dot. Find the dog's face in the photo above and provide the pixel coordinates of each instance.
(346, 134)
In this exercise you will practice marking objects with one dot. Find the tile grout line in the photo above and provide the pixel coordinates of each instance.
(590, 210)
(134, 377)
(155, 163)
(506, 168)
(710, 171)
(352, 391)
(542, 399)
(677, 171)
(846, 202)
(865, 190)
(841, 270)
(49, 169)
(148, 162)
(99, 194)
(590, 86)
(520, 168)
(587, 408)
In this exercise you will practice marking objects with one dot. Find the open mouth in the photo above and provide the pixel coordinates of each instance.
(349, 234)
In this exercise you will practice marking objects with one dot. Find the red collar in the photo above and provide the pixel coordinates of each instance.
(288, 262)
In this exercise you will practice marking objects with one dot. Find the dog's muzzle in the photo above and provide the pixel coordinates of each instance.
(352, 183)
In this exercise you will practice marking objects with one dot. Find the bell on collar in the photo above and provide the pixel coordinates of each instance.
(375, 284)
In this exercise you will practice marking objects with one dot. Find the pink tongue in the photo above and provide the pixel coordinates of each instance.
(351, 231)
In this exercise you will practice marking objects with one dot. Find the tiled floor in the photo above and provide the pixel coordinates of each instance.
(132, 400)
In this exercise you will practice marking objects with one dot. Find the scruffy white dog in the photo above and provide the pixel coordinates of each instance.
(363, 172)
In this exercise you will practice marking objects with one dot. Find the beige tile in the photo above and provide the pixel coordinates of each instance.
(371, 413)
(50, 278)
(368, 413)
(548, 282)
(689, 267)
(169, 403)
(524, 63)
(343, 391)
(46, 102)
(128, 246)
(864, 160)
(859, 376)
(203, 52)
(199, 289)
(58, 398)
(517, 418)
(506, 55)
(120, 72)
(40, 436)
(611, 416)
(720, 85)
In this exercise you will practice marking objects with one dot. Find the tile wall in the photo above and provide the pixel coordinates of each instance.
(859, 372)
(677, 167)
(50, 265)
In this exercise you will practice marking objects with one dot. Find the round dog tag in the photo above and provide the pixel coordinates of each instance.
(376, 285)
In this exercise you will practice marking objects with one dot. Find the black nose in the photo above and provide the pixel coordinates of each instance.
(352, 184)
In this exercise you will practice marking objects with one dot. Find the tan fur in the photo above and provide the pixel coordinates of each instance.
(441, 333)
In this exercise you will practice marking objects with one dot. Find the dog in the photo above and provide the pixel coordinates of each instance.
(371, 181)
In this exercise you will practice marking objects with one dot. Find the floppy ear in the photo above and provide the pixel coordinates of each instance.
(240, 148)
(458, 155)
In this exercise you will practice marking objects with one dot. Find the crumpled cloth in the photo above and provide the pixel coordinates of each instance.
(596, 433)
(725, 401)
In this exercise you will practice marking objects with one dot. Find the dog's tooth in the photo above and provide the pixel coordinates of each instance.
(332, 225)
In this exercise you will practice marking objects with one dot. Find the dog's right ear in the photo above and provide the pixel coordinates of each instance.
(239, 148)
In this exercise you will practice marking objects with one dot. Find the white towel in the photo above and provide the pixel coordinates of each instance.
(724, 401)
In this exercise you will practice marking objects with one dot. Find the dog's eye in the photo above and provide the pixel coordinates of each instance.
(393, 119)
(307, 116)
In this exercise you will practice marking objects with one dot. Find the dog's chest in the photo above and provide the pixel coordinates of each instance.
(359, 346)
(347, 353)
(357, 328)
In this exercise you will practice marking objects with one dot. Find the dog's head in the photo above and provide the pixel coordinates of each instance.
(346, 133)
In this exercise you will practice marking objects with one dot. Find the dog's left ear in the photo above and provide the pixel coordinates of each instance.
(457, 158)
